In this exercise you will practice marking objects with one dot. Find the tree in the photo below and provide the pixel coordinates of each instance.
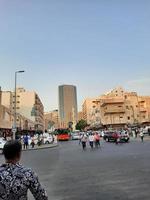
(81, 125)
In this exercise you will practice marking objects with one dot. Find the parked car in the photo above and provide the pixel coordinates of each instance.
(112, 136)
(2, 143)
(75, 136)
(48, 139)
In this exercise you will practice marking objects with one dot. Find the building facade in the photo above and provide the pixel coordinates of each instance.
(90, 111)
(68, 112)
(28, 104)
(51, 120)
(80, 116)
(119, 108)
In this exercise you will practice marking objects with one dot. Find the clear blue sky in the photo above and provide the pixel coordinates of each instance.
(93, 44)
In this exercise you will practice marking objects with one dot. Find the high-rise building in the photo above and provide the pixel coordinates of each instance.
(68, 111)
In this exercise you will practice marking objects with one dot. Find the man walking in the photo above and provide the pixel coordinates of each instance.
(142, 135)
(15, 179)
(84, 140)
(97, 140)
(91, 140)
(25, 141)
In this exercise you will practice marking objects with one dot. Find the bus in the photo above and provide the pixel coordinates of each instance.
(62, 134)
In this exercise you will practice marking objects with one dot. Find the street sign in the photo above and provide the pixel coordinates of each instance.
(14, 130)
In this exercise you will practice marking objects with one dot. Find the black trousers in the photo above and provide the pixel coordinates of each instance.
(91, 144)
(83, 145)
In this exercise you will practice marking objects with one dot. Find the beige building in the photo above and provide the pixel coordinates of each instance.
(68, 112)
(28, 105)
(0, 96)
(119, 107)
(51, 120)
(91, 113)
(80, 115)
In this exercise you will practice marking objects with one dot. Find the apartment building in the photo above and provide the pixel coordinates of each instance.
(119, 107)
(28, 104)
(80, 115)
(91, 111)
(51, 120)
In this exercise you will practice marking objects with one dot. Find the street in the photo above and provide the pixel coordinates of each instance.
(113, 172)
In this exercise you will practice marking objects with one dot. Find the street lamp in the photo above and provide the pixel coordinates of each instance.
(15, 113)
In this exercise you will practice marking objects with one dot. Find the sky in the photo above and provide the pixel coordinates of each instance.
(94, 44)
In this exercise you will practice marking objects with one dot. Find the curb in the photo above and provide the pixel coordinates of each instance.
(37, 148)
(40, 148)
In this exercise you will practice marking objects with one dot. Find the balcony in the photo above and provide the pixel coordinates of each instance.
(105, 102)
(142, 109)
(115, 110)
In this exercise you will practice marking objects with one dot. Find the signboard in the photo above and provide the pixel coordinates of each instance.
(14, 130)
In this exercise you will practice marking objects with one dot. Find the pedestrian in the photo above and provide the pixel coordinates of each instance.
(116, 137)
(25, 141)
(97, 140)
(136, 133)
(83, 141)
(133, 133)
(55, 139)
(32, 142)
(142, 135)
(149, 131)
(80, 138)
(15, 179)
(91, 140)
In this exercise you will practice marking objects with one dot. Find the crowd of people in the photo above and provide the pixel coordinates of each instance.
(92, 138)
(27, 140)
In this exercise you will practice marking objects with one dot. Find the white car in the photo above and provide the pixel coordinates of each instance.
(48, 139)
(2, 143)
(75, 136)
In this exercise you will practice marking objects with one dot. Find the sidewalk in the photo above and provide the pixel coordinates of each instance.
(44, 146)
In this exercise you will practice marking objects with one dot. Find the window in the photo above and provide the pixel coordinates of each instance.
(125, 97)
(127, 107)
(119, 106)
(121, 117)
(128, 118)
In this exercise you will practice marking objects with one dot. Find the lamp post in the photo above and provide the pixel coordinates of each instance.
(15, 113)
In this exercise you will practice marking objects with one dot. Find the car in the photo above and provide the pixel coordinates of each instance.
(75, 136)
(48, 139)
(124, 137)
(113, 136)
(2, 143)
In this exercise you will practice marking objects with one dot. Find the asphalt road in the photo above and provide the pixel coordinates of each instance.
(110, 173)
